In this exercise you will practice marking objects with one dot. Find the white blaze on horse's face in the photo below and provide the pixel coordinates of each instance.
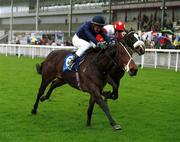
(139, 44)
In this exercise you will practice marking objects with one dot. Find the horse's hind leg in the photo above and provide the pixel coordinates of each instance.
(44, 84)
(90, 110)
(54, 84)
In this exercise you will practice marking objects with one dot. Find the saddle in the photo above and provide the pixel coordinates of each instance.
(75, 65)
(78, 61)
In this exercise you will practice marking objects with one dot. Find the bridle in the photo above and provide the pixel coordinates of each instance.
(126, 67)
(137, 44)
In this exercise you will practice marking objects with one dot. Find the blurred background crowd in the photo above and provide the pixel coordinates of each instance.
(53, 22)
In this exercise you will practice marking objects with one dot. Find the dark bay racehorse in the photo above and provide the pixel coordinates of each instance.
(92, 75)
(116, 72)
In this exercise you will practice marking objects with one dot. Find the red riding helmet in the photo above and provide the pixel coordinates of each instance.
(119, 25)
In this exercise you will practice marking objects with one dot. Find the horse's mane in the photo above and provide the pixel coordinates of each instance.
(105, 57)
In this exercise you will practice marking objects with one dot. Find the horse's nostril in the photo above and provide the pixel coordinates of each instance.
(133, 72)
(142, 51)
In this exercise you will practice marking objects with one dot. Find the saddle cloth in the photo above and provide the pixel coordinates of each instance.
(75, 66)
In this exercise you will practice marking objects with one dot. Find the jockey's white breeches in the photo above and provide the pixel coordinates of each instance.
(81, 45)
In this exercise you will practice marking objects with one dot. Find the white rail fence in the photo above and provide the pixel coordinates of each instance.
(159, 58)
(30, 50)
(155, 58)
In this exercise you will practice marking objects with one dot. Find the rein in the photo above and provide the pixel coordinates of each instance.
(114, 61)
(111, 58)
(127, 66)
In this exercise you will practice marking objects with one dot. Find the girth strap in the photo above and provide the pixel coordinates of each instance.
(78, 80)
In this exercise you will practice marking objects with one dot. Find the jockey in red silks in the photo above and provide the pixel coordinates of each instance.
(85, 37)
(113, 31)
(116, 30)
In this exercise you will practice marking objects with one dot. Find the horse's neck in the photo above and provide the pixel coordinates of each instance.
(103, 61)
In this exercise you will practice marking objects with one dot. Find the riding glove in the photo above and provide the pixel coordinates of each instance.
(102, 45)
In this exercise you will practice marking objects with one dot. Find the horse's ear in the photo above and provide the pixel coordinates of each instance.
(127, 31)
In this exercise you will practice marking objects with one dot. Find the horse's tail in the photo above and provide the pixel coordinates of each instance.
(39, 68)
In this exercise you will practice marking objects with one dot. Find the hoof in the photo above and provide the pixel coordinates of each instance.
(114, 97)
(33, 111)
(88, 124)
(43, 98)
(117, 127)
(107, 95)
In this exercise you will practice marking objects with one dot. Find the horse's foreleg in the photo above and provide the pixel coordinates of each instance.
(42, 88)
(54, 84)
(115, 84)
(114, 95)
(99, 100)
(90, 110)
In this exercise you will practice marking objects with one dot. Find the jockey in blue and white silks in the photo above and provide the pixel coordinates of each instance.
(85, 37)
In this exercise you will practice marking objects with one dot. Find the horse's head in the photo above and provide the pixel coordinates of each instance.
(133, 41)
(122, 55)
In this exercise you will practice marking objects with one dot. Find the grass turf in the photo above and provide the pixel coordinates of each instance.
(148, 108)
